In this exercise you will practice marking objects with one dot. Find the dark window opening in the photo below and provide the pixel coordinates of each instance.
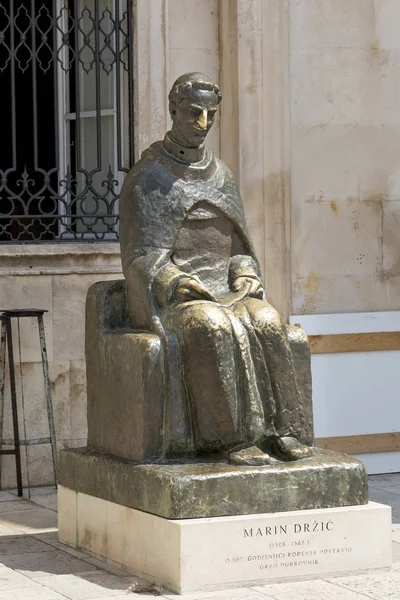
(66, 81)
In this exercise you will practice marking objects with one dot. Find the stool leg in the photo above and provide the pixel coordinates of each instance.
(50, 416)
(2, 382)
(14, 405)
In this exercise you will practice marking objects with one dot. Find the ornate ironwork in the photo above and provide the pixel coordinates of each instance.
(66, 77)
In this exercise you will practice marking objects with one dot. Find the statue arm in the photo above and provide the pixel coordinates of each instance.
(173, 285)
(244, 271)
(165, 283)
(242, 265)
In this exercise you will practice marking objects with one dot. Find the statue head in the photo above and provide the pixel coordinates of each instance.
(193, 103)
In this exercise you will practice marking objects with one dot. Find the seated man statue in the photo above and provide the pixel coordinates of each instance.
(194, 280)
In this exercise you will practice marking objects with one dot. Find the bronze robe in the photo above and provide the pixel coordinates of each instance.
(229, 376)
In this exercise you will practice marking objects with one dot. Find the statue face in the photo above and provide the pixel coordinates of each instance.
(193, 117)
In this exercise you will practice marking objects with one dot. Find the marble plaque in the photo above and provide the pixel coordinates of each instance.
(198, 554)
(286, 545)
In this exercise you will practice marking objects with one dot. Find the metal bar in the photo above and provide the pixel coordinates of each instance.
(14, 404)
(9, 452)
(87, 114)
(118, 86)
(2, 381)
(35, 442)
(23, 409)
(13, 102)
(56, 84)
(60, 102)
(47, 390)
(130, 84)
(77, 95)
(34, 89)
(98, 96)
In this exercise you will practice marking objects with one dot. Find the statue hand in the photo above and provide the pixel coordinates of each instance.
(191, 288)
(255, 286)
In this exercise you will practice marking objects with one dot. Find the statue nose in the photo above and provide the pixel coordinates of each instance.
(202, 120)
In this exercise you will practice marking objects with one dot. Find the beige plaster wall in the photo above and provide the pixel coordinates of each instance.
(172, 37)
(345, 155)
(193, 41)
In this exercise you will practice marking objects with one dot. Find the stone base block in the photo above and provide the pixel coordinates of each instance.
(205, 489)
(199, 554)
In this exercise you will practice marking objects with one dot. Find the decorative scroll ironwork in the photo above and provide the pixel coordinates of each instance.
(66, 77)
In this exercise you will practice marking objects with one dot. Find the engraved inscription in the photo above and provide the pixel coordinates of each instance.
(314, 526)
(287, 549)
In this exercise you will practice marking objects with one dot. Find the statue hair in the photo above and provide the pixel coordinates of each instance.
(191, 81)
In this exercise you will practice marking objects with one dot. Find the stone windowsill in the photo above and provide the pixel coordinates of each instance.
(65, 258)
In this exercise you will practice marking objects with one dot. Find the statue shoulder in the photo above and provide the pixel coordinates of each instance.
(229, 181)
(148, 174)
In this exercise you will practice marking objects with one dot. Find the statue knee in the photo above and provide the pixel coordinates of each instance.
(297, 337)
(265, 318)
(208, 319)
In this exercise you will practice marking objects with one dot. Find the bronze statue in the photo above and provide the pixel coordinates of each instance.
(193, 279)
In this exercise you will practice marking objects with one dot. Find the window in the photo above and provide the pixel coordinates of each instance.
(66, 81)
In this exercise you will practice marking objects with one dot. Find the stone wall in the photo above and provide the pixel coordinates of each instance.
(345, 143)
(310, 126)
(55, 278)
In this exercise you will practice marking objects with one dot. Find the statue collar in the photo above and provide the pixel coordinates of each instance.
(183, 154)
(184, 168)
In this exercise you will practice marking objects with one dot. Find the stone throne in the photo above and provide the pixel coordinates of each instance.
(125, 379)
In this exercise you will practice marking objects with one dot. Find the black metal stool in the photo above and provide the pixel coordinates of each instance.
(6, 339)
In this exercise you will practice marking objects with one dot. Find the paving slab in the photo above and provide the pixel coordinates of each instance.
(30, 521)
(15, 505)
(308, 590)
(385, 482)
(385, 497)
(11, 580)
(89, 585)
(39, 593)
(42, 564)
(6, 496)
(48, 501)
(6, 531)
(378, 585)
(101, 564)
(51, 538)
(396, 516)
(21, 544)
(230, 594)
(135, 597)
(43, 490)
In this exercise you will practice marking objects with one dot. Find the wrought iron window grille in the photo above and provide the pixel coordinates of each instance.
(66, 76)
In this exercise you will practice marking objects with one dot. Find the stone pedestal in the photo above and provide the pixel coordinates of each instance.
(199, 554)
(204, 525)
(216, 489)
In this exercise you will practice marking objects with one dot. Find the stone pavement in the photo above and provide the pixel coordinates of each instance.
(35, 566)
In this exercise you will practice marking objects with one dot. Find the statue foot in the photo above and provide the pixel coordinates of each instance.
(250, 456)
(288, 448)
